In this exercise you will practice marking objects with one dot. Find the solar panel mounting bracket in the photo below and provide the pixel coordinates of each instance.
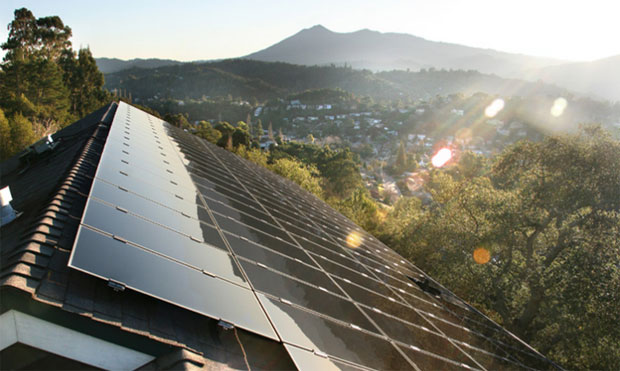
(116, 286)
(319, 353)
(204, 271)
(119, 238)
(225, 325)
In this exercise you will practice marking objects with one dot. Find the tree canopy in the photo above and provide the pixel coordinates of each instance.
(44, 84)
(548, 215)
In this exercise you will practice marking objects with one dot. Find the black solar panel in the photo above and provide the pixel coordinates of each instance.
(174, 217)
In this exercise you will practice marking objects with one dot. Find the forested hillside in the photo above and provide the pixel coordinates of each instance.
(249, 79)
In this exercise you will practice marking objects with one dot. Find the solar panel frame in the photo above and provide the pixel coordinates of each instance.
(288, 248)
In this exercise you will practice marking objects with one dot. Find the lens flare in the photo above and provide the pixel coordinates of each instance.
(482, 255)
(354, 240)
(441, 157)
(559, 105)
(493, 109)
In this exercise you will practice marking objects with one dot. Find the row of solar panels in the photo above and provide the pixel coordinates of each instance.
(174, 217)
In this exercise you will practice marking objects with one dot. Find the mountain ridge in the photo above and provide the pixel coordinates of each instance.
(375, 50)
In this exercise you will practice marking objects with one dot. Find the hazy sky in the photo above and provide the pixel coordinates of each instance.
(209, 29)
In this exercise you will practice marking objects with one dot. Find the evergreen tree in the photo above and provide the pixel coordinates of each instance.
(6, 144)
(259, 129)
(270, 132)
(42, 81)
(84, 81)
(401, 158)
(22, 134)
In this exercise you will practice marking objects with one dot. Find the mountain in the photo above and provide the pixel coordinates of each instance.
(266, 80)
(387, 51)
(600, 78)
(110, 65)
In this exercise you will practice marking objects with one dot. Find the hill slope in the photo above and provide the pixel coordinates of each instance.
(263, 80)
(599, 78)
(386, 51)
(110, 65)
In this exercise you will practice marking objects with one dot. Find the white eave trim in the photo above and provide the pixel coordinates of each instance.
(17, 327)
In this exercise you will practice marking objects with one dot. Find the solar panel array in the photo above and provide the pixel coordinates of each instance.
(174, 217)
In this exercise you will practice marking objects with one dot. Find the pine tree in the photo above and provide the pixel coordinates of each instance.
(270, 132)
(401, 157)
(6, 144)
(259, 129)
(22, 134)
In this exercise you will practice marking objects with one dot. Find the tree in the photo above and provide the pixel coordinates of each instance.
(243, 126)
(6, 144)
(241, 137)
(401, 158)
(548, 213)
(361, 209)
(41, 81)
(84, 81)
(259, 129)
(48, 93)
(270, 132)
(22, 134)
(179, 120)
(226, 130)
(306, 176)
(206, 131)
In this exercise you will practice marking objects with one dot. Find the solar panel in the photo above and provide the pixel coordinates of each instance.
(174, 217)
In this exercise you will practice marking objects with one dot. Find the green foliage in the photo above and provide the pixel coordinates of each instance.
(306, 176)
(323, 96)
(206, 131)
(253, 154)
(22, 134)
(84, 81)
(549, 213)
(29, 37)
(179, 120)
(360, 208)
(42, 81)
(259, 129)
(233, 137)
(338, 167)
(6, 143)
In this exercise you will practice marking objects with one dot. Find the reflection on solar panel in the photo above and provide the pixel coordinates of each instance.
(176, 218)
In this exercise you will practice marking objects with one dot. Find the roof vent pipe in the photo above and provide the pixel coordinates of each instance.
(7, 214)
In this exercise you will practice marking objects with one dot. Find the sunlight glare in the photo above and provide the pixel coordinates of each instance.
(559, 105)
(482, 255)
(493, 109)
(354, 240)
(441, 157)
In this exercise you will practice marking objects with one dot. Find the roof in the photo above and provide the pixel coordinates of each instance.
(51, 192)
(319, 301)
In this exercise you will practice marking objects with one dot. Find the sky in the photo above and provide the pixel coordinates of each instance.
(211, 29)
